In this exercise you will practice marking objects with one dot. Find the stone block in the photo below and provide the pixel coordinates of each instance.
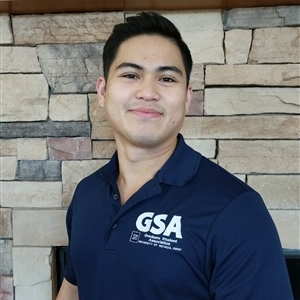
(19, 60)
(39, 170)
(275, 45)
(31, 149)
(206, 147)
(197, 77)
(42, 129)
(5, 29)
(291, 14)
(260, 156)
(5, 221)
(253, 127)
(31, 194)
(278, 191)
(237, 46)
(254, 17)
(9, 167)
(261, 75)
(6, 265)
(75, 171)
(32, 265)
(103, 149)
(39, 291)
(64, 28)
(8, 147)
(100, 127)
(196, 107)
(71, 68)
(7, 288)
(68, 108)
(203, 32)
(247, 101)
(39, 228)
(32, 94)
(69, 148)
(288, 226)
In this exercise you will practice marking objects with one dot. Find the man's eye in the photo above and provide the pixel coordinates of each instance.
(167, 79)
(130, 76)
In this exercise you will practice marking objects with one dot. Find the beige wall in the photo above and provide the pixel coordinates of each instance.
(245, 117)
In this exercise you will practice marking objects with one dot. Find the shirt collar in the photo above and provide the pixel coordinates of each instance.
(178, 170)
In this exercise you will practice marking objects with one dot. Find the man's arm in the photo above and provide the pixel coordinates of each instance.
(67, 291)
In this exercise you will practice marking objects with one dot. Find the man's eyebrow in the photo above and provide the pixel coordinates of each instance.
(169, 68)
(129, 65)
(158, 69)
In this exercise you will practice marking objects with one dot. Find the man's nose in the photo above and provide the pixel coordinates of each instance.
(147, 90)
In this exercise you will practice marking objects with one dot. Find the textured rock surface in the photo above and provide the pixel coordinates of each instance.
(254, 127)
(5, 28)
(9, 165)
(42, 129)
(5, 258)
(69, 148)
(197, 77)
(100, 126)
(275, 45)
(288, 224)
(196, 107)
(71, 68)
(41, 290)
(8, 147)
(31, 149)
(5, 222)
(24, 258)
(254, 17)
(32, 94)
(31, 194)
(237, 46)
(260, 156)
(261, 75)
(64, 28)
(103, 149)
(204, 34)
(243, 101)
(19, 60)
(39, 170)
(68, 108)
(291, 14)
(7, 288)
(39, 228)
(205, 147)
(278, 191)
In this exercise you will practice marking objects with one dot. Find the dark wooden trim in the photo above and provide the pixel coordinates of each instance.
(72, 6)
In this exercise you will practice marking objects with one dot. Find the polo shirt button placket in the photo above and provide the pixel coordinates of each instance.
(115, 197)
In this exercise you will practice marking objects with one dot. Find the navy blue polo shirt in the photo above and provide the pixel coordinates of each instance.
(192, 232)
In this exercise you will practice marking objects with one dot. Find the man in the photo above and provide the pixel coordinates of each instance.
(160, 221)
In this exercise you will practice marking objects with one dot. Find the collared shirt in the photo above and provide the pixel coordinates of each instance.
(194, 231)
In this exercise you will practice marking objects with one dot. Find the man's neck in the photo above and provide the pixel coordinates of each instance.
(137, 166)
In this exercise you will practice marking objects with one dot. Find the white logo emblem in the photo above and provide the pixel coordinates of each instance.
(157, 224)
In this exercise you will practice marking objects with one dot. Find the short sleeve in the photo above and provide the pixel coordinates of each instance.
(244, 258)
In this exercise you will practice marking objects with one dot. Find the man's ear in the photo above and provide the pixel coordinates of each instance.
(100, 87)
(189, 96)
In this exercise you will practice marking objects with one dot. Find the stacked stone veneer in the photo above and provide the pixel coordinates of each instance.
(244, 116)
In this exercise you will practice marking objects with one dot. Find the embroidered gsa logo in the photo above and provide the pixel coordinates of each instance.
(147, 222)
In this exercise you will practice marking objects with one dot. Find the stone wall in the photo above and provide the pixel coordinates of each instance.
(244, 116)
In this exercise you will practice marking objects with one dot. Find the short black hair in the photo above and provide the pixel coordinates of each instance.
(145, 23)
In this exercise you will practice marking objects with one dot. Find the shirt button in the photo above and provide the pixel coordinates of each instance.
(115, 197)
(114, 226)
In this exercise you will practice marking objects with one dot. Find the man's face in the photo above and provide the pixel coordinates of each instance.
(145, 96)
